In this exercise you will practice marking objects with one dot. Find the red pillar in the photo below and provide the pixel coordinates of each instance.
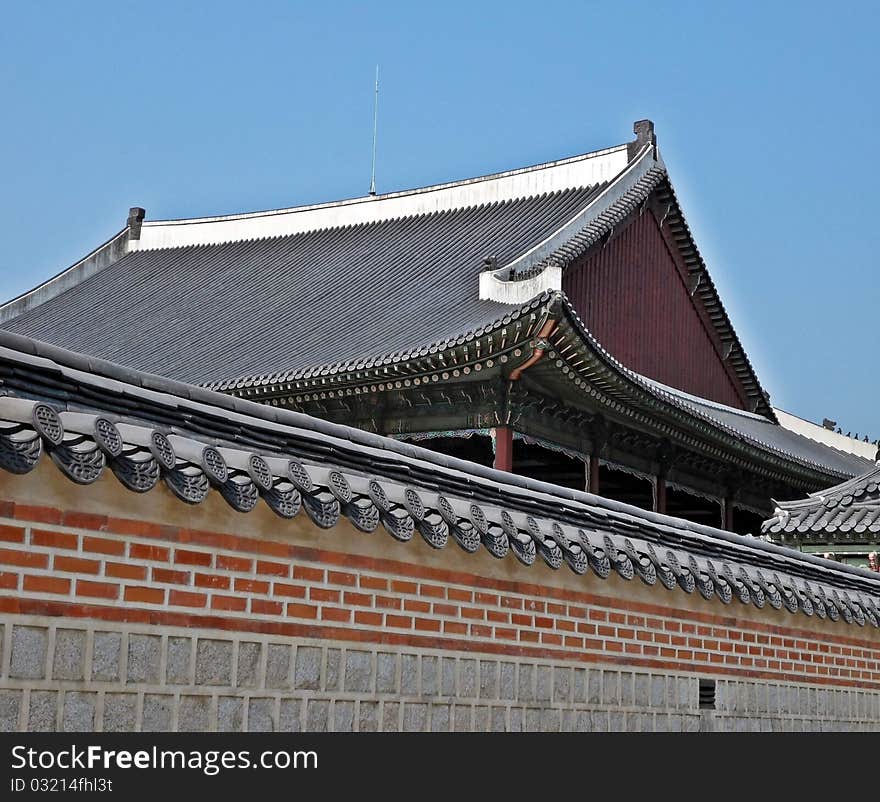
(503, 449)
(593, 475)
(660, 495)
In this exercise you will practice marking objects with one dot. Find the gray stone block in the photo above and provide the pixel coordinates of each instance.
(579, 685)
(594, 687)
(675, 723)
(626, 689)
(447, 681)
(532, 720)
(358, 671)
(120, 712)
(516, 719)
(178, 669)
(343, 716)
(584, 721)
(632, 722)
(332, 674)
(278, 666)
(550, 720)
(230, 713)
(261, 715)
(569, 719)
(214, 662)
(69, 659)
(616, 721)
(544, 683)
(194, 714)
(507, 681)
(106, 654)
(661, 723)
(488, 679)
(440, 718)
(691, 723)
(79, 711)
(641, 690)
(599, 721)
(144, 656)
(158, 711)
(498, 719)
(290, 716)
(610, 688)
(317, 715)
(29, 648)
(10, 710)
(481, 718)
(430, 678)
(561, 684)
(368, 717)
(409, 674)
(307, 668)
(386, 673)
(658, 691)
(248, 664)
(415, 717)
(687, 692)
(467, 678)
(391, 717)
(43, 711)
(525, 686)
(462, 718)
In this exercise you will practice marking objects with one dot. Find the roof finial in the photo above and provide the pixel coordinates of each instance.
(375, 130)
(644, 131)
(135, 218)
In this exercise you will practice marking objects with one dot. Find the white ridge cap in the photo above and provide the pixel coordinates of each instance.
(585, 170)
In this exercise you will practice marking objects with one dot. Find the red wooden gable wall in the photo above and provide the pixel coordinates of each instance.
(635, 301)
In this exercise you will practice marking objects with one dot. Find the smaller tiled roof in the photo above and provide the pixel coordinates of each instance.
(89, 416)
(850, 509)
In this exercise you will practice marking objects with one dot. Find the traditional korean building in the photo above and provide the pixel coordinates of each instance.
(555, 321)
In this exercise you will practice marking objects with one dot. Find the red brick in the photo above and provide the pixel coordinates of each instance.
(613, 646)
(29, 559)
(8, 580)
(125, 571)
(445, 609)
(564, 625)
(11, 534)
(416, 606)
(499, 617)
(336, 614)
(57, 540)
(75, 565)
(141, 551)
(521, 620)
(574, 643)
(427, 624)
(227, 562)
(273, 568)
(635, 648)
(551, 638)
(297, 610)
(535, 606)
(586, 629)
(455, 627)
(136, 593)
(399, 586)
(577, 612)
(505, 632)
(250, 585)
(366, 617)
(185, 598)
(359, 599)
(293, 591)
(101, 590)
(171, 577)
(598, 615)
(544, 622)
(488, 598)
(611, 632)
(309, 574)
(526, 635)
(652, 650)
(234, 603)
(388, 602)
(473, 613)
(46, 584)
(342, 578)
(435, 591)
(187, 557)
(324, 595)
(45, 515)
(263, 607)
(211, 581)
(402, 621)
(617, 618)
(480, 631)
(84, 520)
(457, 594)
(101, 545)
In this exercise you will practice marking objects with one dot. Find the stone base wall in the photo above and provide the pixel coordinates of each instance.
(85, 676)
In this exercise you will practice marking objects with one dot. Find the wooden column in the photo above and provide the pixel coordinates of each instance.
(593, 475)
(727, 514)
(660, 495)
(503, 449)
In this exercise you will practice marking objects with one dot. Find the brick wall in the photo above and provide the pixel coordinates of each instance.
(112, 622)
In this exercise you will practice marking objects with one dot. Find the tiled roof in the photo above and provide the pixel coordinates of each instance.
(88, 415)
(849, 510)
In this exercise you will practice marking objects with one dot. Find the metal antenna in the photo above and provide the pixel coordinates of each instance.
(375, 130)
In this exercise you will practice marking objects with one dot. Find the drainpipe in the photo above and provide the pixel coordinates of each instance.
(504, 434)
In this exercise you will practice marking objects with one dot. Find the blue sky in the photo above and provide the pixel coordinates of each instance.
(765, 112)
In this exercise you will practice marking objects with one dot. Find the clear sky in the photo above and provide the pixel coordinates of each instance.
(766, 115)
